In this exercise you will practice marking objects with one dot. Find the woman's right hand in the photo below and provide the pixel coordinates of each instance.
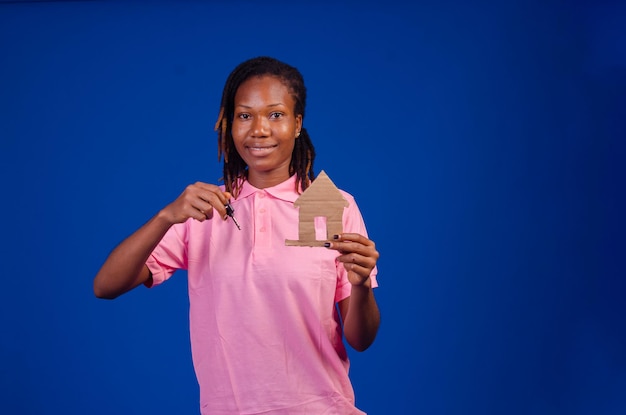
(198, 201)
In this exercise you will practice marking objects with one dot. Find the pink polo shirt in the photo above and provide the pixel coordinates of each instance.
(265, 333)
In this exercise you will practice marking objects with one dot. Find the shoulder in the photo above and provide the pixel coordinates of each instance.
(348, 196)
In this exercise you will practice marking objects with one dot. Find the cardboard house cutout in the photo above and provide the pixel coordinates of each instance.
(320, 200)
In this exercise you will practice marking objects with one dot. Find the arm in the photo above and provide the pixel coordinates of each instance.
(125, 267)
(359, 312)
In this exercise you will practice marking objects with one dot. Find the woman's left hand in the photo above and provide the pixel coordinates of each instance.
(358, 255)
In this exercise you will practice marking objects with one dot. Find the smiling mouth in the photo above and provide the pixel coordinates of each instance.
(261, 149)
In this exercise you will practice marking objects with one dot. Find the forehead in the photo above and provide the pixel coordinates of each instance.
(264, 87)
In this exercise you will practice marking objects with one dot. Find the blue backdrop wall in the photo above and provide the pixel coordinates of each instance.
(484, 142)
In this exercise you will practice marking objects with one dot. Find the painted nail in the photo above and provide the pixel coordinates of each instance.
(327, 244)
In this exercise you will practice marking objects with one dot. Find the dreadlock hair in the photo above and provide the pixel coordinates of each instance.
(235, 168)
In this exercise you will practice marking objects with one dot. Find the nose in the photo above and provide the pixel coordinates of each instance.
(260, 127)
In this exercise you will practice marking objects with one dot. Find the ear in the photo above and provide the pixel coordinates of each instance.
(298, 125)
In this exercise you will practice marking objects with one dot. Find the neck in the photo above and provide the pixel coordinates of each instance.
(261, 180)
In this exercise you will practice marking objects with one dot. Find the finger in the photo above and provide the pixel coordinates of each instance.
(205, 208)
(218, 201)
(198, 215)
(219, 206)
(347, 248)
(206, 214)
(355, 259)
(352, 237)
(207, 202)
(208, 190)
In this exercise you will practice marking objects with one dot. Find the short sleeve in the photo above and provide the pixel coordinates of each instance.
(169, 255)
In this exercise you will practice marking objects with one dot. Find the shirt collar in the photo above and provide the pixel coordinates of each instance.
(285, 190)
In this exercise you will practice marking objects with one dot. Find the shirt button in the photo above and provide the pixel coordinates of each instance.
(262, 229)
(261, 210)
(261, 195)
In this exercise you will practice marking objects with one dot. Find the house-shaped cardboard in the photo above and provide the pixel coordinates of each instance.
(320, 200)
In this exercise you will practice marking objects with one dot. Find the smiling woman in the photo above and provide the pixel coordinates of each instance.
(266, 335)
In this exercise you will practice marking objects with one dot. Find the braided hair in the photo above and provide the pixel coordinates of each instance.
(235, 168)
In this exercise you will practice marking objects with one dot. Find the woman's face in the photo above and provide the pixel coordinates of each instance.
(265, 128)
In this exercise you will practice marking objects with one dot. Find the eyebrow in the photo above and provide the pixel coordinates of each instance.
(270, 105)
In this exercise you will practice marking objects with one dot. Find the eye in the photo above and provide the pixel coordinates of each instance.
(243, 116)
(276, 115)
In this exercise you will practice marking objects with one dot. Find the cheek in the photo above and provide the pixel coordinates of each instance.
(286, 131)
(238, 135)
(236, 130)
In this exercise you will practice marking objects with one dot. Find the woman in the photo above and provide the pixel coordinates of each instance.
(265, 332)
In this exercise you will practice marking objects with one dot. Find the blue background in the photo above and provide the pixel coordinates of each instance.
(483, 141)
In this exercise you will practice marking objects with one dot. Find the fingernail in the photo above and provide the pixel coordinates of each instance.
(335, 236)
(327, 244)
